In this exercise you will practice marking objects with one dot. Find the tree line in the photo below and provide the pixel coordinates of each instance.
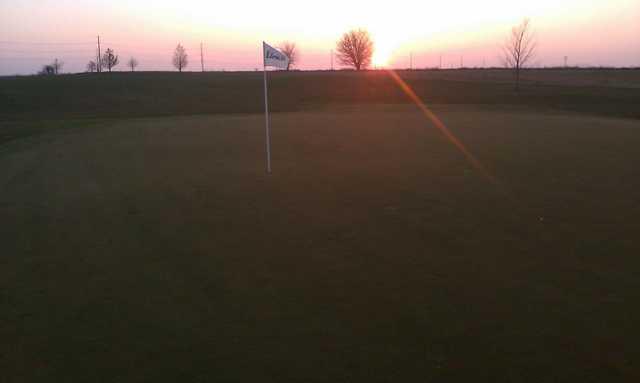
(180, 60)
(110, 60)
(354, 50)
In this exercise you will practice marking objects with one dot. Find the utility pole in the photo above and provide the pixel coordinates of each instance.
(411, 61)
(99, 62)
(461, 61)
(201, 57)
(566, 59)
(440, 66)
(332, 59)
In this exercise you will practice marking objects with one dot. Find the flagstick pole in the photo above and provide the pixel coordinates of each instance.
(266, 113)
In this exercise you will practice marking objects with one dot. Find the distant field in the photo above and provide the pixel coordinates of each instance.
(143, 241)
(120, 95)
(621, 78)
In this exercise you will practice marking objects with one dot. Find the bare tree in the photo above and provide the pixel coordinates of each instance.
(110, 59)
(92, 66)
(132, 63)
(519, 49)
(355, 49)
(47, 70)
(291, 50)
(52, 69)
(57, 66)
(180, 58)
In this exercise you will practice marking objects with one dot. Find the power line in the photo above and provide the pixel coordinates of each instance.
(3, 50)
(43, 43)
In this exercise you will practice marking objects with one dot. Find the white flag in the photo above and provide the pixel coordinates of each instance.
(273, 57)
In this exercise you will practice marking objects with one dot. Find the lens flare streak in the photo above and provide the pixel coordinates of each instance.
(441, 126)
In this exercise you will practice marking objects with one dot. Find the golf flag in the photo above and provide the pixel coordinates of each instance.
(270, 57)
(273, 57)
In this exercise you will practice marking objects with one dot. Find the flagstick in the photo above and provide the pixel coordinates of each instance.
(266, 112)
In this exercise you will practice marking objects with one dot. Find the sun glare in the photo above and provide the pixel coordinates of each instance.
(381, 57)
(384, 46)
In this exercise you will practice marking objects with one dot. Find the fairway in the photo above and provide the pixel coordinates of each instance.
(156, 248)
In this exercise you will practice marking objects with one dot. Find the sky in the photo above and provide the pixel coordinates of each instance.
(467, 32)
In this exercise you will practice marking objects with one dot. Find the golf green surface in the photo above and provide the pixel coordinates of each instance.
(157, 249)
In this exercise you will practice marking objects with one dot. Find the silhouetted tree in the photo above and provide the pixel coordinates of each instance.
(291, 50)
(52, 69)
(47, 70)
(180, 58)
(519, 49)
(110, 59)
(92, 66)
(355, 49)
(57, 66)
(132, 63)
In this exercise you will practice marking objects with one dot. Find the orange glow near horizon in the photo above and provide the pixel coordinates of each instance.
(232, 31)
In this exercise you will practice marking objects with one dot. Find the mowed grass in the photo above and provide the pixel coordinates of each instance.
(157, 249)
(124, 95)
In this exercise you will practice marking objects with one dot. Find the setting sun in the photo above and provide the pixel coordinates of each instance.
(382, 54)
(387, 41)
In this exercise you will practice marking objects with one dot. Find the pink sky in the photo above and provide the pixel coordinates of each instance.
(589, 32)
